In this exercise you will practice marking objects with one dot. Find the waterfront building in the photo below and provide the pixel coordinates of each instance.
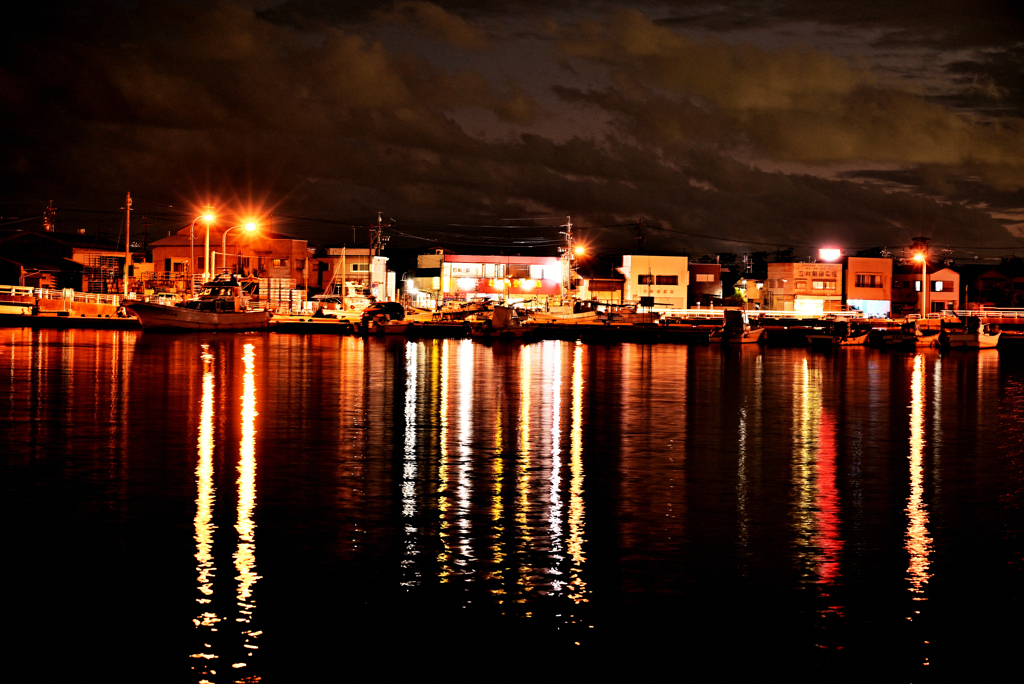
(599, 280)
(262, 254)
(52, 260)
(810, 288)
(869, 285)
(943, 289)
(705, 284)
(665, 278)
(442, 276)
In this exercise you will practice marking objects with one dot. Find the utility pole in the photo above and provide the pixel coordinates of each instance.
(128, 241)
(568, 261)
(49, 217)
(377, 241)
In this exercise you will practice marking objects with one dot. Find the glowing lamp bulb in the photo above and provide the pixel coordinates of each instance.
(207, 217)
(829, 254)
(250, 226)
(919, 257)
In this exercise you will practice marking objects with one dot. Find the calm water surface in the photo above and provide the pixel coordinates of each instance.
(263, 507)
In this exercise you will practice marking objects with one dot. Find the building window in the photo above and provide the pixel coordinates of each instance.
(300, 264)
(489, 271)
(800, 285)
(823, 284)
(279, 263)
(519, 270)
(667, 280)
(869, 280)
(917, 286)
(703, 278)
(360, 268)
(200, 264)
(644, 280)
(942, 286)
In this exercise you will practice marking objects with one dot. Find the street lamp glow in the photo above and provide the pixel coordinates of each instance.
(580, 250)
(207, 217)
(919, 257)
(250, 226)
(829, 254)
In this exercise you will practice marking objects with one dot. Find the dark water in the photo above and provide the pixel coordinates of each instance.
(266, 507)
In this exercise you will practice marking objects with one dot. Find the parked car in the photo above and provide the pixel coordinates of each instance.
(393, 310)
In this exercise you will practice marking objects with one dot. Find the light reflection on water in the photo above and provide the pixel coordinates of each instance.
(555, 480)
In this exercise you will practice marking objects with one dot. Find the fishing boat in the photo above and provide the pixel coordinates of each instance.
(221, 305)
(972, 334)
(839, 334)
(737, 330)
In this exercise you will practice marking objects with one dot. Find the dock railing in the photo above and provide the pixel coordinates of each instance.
(81, 297)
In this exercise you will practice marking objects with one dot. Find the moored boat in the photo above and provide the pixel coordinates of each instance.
(972, 335)
(737, 330)
(220, 305)
(839, 334)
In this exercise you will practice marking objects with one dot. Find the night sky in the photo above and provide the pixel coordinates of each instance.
(733, 125)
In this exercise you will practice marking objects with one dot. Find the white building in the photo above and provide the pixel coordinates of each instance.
(664, 278)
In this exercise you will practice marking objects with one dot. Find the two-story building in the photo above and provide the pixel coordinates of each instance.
(665, 278)
(943, 288)
(705, 284)
(869, 286)
(810, 288)
(261, 253)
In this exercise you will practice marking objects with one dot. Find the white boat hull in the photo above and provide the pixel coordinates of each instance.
(972, 340)
(171, 318)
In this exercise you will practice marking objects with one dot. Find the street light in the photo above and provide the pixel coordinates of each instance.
(920, 256)
(250, 227)
(192, 250)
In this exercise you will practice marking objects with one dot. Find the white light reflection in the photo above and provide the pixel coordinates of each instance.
(443, 503)
(205, 497)
(523, 468)
(245, 554)
(409, 467)
(577, 586)
(554, 352)
(918, 540)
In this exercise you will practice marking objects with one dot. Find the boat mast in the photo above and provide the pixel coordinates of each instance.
(128, 241)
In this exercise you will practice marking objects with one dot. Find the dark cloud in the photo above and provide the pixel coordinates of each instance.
(337, 110)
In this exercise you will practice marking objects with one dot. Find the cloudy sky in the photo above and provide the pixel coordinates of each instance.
(735, 125)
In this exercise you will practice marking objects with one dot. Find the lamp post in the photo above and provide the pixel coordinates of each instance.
(920, 256)
(250, 226)
(192, 250)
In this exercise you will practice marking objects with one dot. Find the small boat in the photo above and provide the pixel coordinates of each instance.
(973, 334)
(737, 330)
(221, 305)
(504, 323)
(839, 334)
(912, 335)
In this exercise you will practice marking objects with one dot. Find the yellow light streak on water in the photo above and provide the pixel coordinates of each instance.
(577, 585)
(918, 540)
(443, 503)
(205, 498)
(465, 489)
(245, 553)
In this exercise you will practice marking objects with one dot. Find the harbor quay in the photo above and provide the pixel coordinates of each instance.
(25, 307)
